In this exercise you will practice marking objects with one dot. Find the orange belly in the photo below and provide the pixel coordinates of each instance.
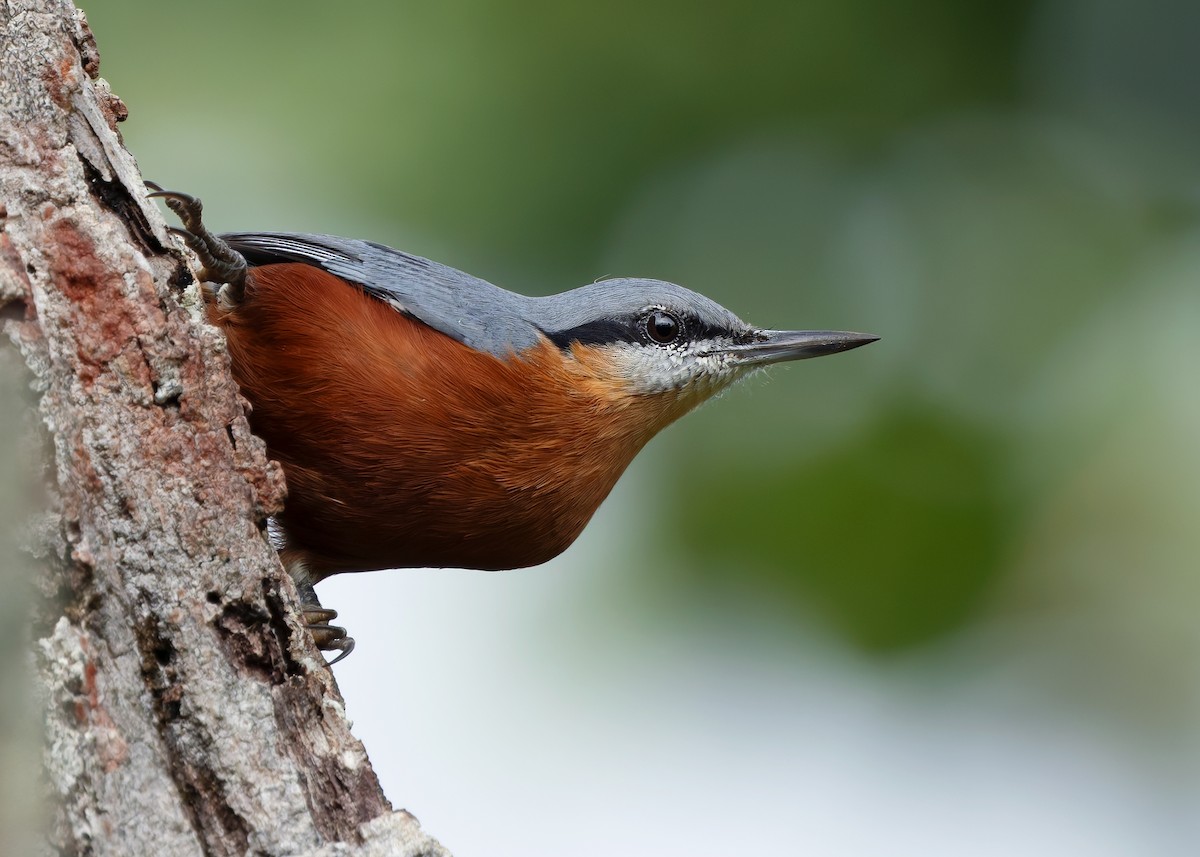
(403, 447)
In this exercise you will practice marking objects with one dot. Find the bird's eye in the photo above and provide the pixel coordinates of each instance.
(662, 327)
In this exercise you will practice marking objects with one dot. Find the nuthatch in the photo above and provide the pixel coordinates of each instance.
(424, 417)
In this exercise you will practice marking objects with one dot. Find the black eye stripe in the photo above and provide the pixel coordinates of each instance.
(602, 332)
(634, 329)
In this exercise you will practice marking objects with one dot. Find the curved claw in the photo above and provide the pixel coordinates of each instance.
(327, 637)
(188, 208)
(173, 195)
(346, 645)
(177, 200)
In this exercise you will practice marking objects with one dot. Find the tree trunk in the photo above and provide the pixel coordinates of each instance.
(186, 710)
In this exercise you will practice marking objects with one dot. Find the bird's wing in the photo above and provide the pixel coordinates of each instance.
(469, 309)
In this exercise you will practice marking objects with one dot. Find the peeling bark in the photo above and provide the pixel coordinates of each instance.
(186, 710)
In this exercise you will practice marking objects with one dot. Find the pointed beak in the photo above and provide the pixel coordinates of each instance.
(776, 346)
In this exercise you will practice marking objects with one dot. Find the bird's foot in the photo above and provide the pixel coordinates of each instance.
(222, 264)
(329, 638)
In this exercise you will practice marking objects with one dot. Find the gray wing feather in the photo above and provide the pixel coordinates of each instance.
(471, 310)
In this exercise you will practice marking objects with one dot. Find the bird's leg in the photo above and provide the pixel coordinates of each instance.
(329, 638)
(222, 264)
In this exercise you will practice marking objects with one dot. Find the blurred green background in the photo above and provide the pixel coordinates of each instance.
(1005, 488)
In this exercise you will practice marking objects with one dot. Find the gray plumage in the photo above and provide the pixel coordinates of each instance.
(471, 310)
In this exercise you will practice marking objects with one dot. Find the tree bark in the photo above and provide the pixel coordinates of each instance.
(186, 709)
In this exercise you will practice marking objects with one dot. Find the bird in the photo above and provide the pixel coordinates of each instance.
(424, 417)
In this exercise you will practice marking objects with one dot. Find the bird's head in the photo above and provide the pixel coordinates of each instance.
(661, 340)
